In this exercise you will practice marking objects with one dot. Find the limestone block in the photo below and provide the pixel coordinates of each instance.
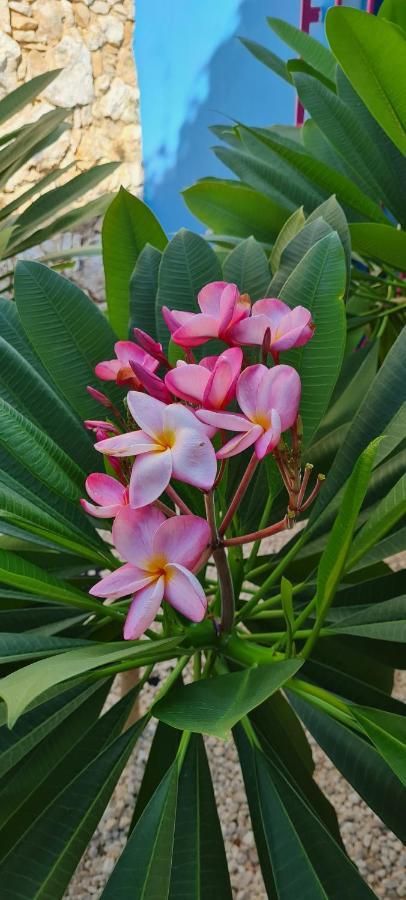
(74, 86)
(106, 30)
(24, 23)
(10, 54)
(82, 15)
(5, 18)
(119, 102)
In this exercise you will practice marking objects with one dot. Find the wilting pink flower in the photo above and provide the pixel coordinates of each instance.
(171, 444)
(150, 345)
(269, 399)
(120, 370)
(210, 384)
(288, 327)
(101, 428)
(99, 396)
(160, 555)
(151, 383)
(108, 493)
(222, 306)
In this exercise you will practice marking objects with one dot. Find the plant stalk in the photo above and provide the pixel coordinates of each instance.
(239, 494)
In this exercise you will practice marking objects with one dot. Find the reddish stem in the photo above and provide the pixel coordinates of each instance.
(313, 495)
(307, 473)
(239, 494)
(167, 511)
(178, 501)
(258, 535)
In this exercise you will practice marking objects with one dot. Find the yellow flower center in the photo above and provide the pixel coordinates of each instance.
(156, 565)
(262, 419)
(166, 439)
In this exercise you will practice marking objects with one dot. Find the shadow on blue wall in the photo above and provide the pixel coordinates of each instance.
(194, 74)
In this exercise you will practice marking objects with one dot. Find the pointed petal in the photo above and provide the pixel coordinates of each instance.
(178, 416)
(229, 421)
(209, 298)
(127, 444)
(104, 489)
(154, 385)
(188, 382)
(100, 512)
(143, 609)
(220, 388)
(120, 583)
(184, 592)
(240, 442)
(127, 351)
(280, 389)
(147, 412)
(273, 309)
(107, 371)
(193, 458)
(271, 437)
(133, 534)
(250, 331)
(148, 343)
(182, 539)
(196, 331)
(248, 387)
(174, 318)
(228, 302)
(151, 474)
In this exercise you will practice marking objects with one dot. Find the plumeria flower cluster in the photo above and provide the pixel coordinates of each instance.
(179, 423)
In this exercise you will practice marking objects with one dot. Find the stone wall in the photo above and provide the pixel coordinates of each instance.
(92, 41)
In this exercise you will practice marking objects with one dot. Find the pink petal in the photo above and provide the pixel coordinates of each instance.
(248, 387)
(151, 474)
(228, 302)
(104, 489)
(147, 343)
(269, 440)
(127, 444)
(143, 610)
(188, 382)
(100, 425)
(193, 458)
(220, 388)
(184, 592)
(100, 512)
(209, 298)
(127, 352)
(108, 370)
(152, 383)
(240, 442)
(147, 412)
(120, 583)
(174, 318)
(182, 539)
(177, 416)
(196, 331)
(280, 389)
(294, 330)
(133, 534)
(273, 309)
(229, 421)
(250, 331)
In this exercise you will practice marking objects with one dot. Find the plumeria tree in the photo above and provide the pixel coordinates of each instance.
(221, 389)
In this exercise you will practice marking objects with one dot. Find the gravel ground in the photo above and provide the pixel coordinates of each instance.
(379, 856)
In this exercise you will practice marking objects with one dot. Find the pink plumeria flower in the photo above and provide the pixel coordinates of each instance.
(288, 327)
(210, 384)
(171, 444)
(119, 370)
(154, 348)
(152, 384)
(222, 306)
(160, 555)
(109, 495)
(269, 400)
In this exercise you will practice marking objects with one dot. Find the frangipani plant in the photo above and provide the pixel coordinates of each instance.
(196, 458)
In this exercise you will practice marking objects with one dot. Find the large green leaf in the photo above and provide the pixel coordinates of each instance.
(275, 182)
(21, 96)
(51, 848)
(199, 865)
(319, 281)
(188, 263)
(247, 267)
(268, 58)
(382, 520)
(334, 557)
(360, 764)
(128, 225)
(380, 242)
(67, 330)
(22, 687)
(144, 868)
(388, 733)
(291, 228)
(381, 621)
(66, 222)
(28, 140)
(382, 402)
(19, 647)
(356, 40)
(229, 207)
(294, 251)
(162, 754)
(395, 11)
(214, 706)
(333, 214)
(143, 290)
(312, 51)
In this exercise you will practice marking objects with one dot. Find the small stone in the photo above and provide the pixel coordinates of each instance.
(100, 7)
(82, 15)
(119, 102)
(21, 6)
(23, 23)
(74, 86)
(108, 30)
(10, 53)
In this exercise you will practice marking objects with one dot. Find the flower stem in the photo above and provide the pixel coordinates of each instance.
(258, 535)
(239, 494)
(178, 501)
(223, 569)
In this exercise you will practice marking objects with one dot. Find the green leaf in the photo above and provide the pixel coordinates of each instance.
(265, 56)
(381, 621)
(319, 280)
(67, 221)
(199, 865)
(188, 263)
(22, 687)
(214, 706)
(162, 754)
(388, 734)
(67, 330)
(295, 250)
(382, 402)
(247, 267)
(28, 141)
(289, 230)
(299, 65)
(128, 225)
(333, 214)
(382, 520)
(144, 868)
(273, 180)
(19, 647)
(21, 96)
(360, 764)
(36, 188)
(395, 11)
(143, 291)
(229, 207)
(356, 40)
(52, 846)
(334, 557)
(380, 242)
(312, 51)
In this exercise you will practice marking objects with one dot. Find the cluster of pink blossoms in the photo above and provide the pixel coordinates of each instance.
(176, 417)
